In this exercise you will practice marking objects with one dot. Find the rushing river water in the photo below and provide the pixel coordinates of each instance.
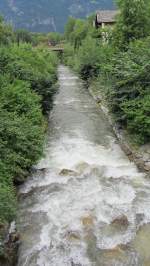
(95, 213)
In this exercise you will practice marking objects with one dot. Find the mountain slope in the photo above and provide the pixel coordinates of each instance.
(48, 15)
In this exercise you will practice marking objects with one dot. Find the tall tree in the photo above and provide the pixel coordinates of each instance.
(80, 32)
(133, 22)
(6, 32)
(23, 36)
(69, 28)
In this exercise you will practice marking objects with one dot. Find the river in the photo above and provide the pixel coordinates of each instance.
(85, 204)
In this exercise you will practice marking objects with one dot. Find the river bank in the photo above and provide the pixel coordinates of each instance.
(9, 244)
(140, 155)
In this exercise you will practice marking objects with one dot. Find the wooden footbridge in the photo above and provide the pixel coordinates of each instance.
(57, 49)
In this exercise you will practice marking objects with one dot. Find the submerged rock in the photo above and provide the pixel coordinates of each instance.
(120, 221)
(81, 167)
(139, 217)
(67, 172)
(147, 166)
(87, 221)
(114, 252)
(42, 170)
(141, 243)
(75, 264)
(73, 236)
(115, 256)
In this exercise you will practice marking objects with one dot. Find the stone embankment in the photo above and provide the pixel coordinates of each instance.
(9, 245)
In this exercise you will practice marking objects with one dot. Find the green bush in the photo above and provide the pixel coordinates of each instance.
(27, 85)
(6, 33)
(7, 204)
(68, 54)
(37, 66)
(22, 126)
(129, 88)
(89, 59)
(138, 117)
(21, 137)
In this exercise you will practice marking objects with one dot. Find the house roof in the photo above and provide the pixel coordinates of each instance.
(106, 16)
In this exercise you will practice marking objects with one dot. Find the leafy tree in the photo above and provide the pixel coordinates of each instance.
(37, 66)
(69, 28)
(44, 39)
(76, 31)
(133, 22)
(137, 112)
(6, 33)
(129, 92)
(23, 36)
(54, 38)
(21, 126)
(21, 138)
(80, 32)
(68, 53)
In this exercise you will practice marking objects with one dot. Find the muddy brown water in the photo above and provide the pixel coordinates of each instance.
(86, 204)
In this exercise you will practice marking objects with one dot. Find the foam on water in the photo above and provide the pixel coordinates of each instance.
(62, 214)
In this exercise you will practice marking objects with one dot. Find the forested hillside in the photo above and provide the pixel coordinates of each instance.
(48, 15)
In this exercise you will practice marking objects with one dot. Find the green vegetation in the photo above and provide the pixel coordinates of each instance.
(118, 59)
(27, 84)
(6, 33)
(23, 36)
(129, 91)
(133, 22)
(37, 66)
(51, 39)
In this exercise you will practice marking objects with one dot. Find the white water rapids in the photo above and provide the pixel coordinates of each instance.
(90, 214)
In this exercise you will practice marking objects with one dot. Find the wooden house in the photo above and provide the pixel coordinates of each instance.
(105, 18)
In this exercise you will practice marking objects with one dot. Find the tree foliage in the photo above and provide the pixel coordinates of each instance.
(133, 22)
(37, 66)
(23, 36)
(130, 88)
(6, 33)
(27, 84)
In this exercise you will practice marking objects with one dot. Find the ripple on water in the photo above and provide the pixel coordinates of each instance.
(75, 219)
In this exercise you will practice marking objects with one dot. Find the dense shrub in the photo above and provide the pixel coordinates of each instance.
(137, 114)
(21, 133)
(21, 125)
(68, 54)
(37, 66)
(7, 204)
(90, 58)
(27, 84)
(133, 22)
(6, 33)
(129, 90)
